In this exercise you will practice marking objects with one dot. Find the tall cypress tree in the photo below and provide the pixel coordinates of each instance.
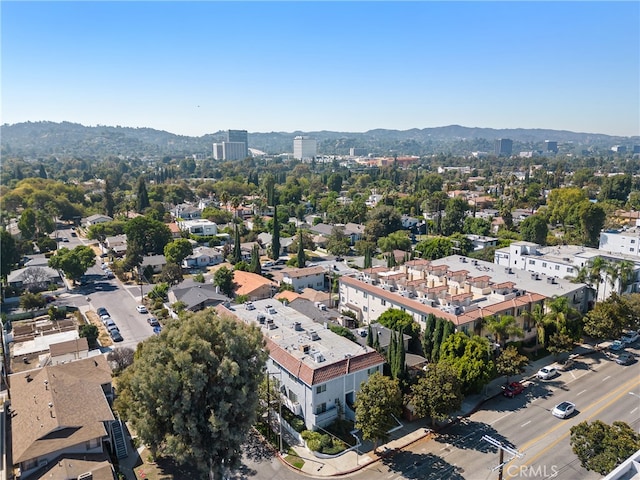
(367, 258)
(427, 336)
(437, 339)
(302, 258)
(109, 204)
(275, 241)
(237, 253)
(391, 353)
(255, 260)
(401, 356)
(143, 196)
(370, 337)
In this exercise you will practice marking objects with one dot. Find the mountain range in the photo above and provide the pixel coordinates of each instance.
(43, 139)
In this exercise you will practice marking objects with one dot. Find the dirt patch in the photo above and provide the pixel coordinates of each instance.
(103, 336)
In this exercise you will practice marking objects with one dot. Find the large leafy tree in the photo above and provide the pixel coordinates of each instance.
(454, 215)
(338, 242)
(434, 248)
(192, 392)
(223, 278)
(602, 447)
(437, 393)
(608, 319)
(534, 229)
(377, 402)
(510, 362)
(470, 357)
(73, 262)
(147, 235)
(592, 217)
(27, 224)
(178, 250)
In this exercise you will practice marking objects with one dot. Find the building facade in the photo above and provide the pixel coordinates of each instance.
(317, 372)
(502, 146)
(304, 148)
(239, 136)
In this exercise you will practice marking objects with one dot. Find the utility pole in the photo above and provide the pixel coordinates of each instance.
(501, 449)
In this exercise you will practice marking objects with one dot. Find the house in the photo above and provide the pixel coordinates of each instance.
(186, 211)
(318, 372)
(60, 411)
(355, 232)
(68, 351)
(95, 219)
(481, 241)
(199, 227)
(266, 240)
(155, 262)
(203, 257)
(254, 286)
(196, 296)
(175, 230)
(455, 288)
(116, 244)
(34, 278)
(301, 278)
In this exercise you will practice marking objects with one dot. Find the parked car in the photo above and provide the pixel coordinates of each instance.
(65, 239)
(513, 389)
(545, 373)
(109, 323)
(115, 335)
(625, 358)
(102, 311)
(249, 306)
(142, 309)
(563, 410)
(616, 346)
(153, 321)
(157, 330)
(630, 337)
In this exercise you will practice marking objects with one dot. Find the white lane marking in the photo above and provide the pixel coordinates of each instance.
(606, 378)
(633, 410)
(525, 423)
(498, 419)
(580, 393)
(446, 446)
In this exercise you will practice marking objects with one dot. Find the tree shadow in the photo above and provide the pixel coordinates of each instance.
(460, 438)
(413, 466)
(533, 390)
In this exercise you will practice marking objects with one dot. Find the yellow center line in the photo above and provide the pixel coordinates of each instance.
(617, 394)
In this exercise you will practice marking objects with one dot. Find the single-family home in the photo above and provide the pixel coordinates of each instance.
(203, 257)
(155, 262)
(95, 219)
(34, 278)
(200, 226)
(254, 286)
(196, 296)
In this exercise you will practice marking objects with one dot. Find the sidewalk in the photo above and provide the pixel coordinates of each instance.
(413, 431)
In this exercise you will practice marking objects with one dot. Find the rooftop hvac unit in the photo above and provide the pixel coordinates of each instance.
(318, 357)
(313, 335)
(261, 319)
(297, 326)
(304, 348)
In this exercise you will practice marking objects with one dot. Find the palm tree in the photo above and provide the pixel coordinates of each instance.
(537, 317)
(626, 271)
(597, 267)
(503, 327)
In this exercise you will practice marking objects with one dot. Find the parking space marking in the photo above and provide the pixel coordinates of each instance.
(525, 424)
(580, 393)
(500, 418)
(606, 378)
(632, 411)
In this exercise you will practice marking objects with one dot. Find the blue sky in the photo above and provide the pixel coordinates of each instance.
(194, 68)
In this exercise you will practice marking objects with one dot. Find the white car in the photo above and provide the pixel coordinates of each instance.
(141, 309)
(545, 373)
(563, 410)
(630, 337)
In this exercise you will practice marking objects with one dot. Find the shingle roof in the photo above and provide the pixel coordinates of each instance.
(59, 406)
(71, 346)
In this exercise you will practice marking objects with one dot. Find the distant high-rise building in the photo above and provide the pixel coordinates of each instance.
(551, 146)
(304, 148)
(619, 149)
(502, 146)
(217, 151)
(357, 152)
(239, 136)
(636, 149)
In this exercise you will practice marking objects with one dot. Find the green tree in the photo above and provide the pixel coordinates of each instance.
(338, 242)
(8, 254)
(275, 241)
(377, 403)
(470, 357)
(146, 235)
(437, 339)
(32, 301)
(397, 320)
(534, 229)
(223, 278)
(199, 406)
(454, 215)
(142, 197)
(601, 447)
(74, 263)
(510, 363)
(427, 335)
(503, 327)
(90, 332)
(395, 241)
(302, 258)
(27, 224)
(108, 203)
(178, 250)
(171, 274)
(608, 319)
(592, 217)
(560, 342)
(237, 249)
(437, 393)
(255, 266)
(434, 248)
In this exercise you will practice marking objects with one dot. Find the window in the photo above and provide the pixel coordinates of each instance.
(371, 371)
(633, 241)
(544, 264)
(631, 249)
(569, 270)
(321, 408)
(365, 294)
(532, 262)
(383, 301)
(557, 267)
(365, 309)
(321, 388)
(293, 397)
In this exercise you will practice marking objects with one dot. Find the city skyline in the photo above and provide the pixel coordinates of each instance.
(193, 68)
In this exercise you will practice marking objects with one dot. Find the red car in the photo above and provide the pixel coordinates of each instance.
(513, 389)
